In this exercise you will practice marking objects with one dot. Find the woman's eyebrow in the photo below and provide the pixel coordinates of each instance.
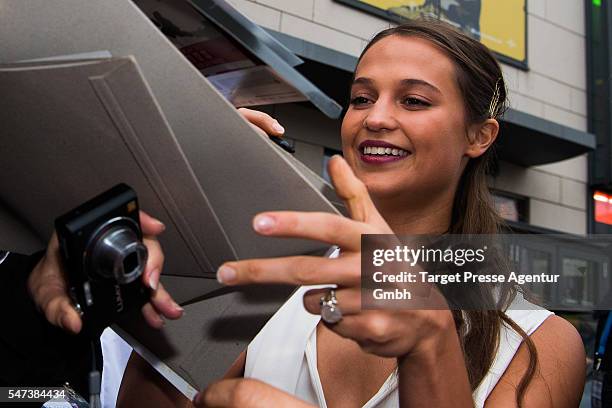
(362, 81)
(420, 82)
(404, 82)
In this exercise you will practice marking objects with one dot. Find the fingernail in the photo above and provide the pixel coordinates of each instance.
(225, 274)
(278, 128)
(154, 279)
(263, 223)
(176, 307)
(158, 222)
(161, 224)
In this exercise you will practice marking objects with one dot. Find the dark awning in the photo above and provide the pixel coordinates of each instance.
(529, 140)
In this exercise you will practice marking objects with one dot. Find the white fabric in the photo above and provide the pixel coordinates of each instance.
(284, 353)
(115, 355)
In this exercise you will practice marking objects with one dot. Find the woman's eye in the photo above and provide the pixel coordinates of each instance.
(412, 101)
(359, 100)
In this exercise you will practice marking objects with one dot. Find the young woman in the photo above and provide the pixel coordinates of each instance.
(416, 139)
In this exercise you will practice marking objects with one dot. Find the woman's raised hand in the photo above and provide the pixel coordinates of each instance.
(388, 333)
(418, 338)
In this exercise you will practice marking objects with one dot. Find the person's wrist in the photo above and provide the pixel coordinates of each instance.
(440, 334)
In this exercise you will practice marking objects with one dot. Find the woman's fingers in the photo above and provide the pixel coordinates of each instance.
(325, 227)
(262, 121)
(349, 300)
(355, 195)
(246, 393)
(293, 270)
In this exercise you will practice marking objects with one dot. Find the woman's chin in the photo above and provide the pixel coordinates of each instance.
(384, 191)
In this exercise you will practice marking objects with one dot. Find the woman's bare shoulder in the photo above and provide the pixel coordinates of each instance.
(560, 373)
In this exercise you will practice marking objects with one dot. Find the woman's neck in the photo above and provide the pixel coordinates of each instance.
(434, 218)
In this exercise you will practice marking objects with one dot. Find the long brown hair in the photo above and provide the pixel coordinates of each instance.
(482, 86)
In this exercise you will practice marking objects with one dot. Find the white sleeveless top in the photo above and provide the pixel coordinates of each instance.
(284, 353)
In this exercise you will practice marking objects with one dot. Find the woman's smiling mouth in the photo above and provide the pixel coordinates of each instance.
(379, 152)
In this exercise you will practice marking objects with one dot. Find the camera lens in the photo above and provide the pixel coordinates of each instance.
(117, 253)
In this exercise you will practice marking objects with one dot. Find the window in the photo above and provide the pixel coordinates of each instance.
(603, 207)
(510, 207)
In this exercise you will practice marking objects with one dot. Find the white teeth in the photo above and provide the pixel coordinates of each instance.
(373, 150)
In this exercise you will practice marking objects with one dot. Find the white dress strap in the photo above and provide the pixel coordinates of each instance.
(509, 342)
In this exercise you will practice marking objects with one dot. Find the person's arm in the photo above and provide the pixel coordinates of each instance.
(435, 375)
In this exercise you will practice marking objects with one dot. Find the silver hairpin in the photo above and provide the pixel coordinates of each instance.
(494, 100)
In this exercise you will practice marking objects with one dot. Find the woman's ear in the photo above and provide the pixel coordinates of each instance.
(481, 137)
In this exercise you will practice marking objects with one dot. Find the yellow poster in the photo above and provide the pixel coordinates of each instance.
(499, 24)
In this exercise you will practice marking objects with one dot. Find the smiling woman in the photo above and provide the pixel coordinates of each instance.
(416, 139)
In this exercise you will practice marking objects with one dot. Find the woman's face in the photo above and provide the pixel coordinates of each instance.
(404, 133)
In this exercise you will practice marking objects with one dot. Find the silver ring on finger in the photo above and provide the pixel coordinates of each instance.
(330, 312)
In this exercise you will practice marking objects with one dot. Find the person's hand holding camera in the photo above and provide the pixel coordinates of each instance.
(48, 284)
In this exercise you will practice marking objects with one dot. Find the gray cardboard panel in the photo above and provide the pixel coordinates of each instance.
(82, 129)
(61, 144)
(220, 146)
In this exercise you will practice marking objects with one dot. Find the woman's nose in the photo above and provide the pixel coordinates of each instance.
(380, 117)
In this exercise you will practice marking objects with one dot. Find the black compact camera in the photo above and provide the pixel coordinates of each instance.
(103, 254)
